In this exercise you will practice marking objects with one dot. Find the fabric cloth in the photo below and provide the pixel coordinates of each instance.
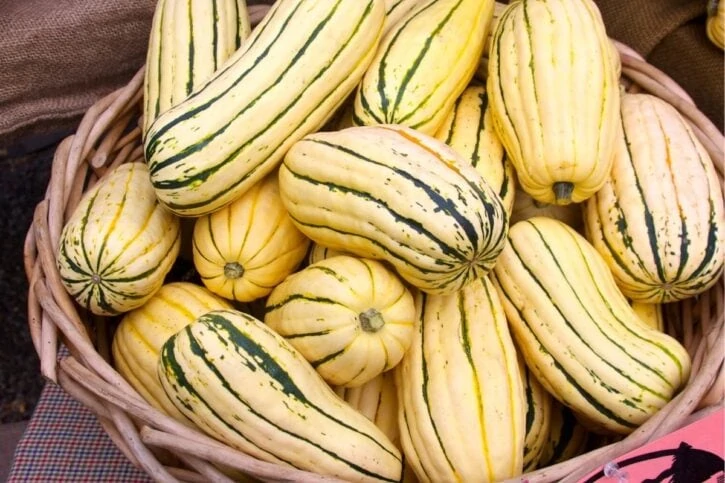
(61, 56)
(671, 35)
(64, 442)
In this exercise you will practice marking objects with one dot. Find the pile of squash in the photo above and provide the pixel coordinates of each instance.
(432, 237)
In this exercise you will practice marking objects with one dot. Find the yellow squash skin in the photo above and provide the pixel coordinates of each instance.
(469, 130)
(659, 220)
(650, 314)
(396, 10)
(118, 244)
(423, 64)
(244, 384)
(538, 416)
(188, 42)
(460, 393)
(318, 252)
(554, 94)
(377, 400)
(281, 84)
(351, 318)
(482, 70)
(392, 193)
(578, 333)
(143, 331)
(246, 248)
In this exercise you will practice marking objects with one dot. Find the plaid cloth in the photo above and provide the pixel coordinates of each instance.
(64, 442)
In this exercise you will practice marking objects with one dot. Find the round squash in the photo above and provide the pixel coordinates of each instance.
(246, 248)
(351, 318)
(119, 243)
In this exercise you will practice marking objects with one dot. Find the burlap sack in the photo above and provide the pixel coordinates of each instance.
(57, 57)
(670, 34)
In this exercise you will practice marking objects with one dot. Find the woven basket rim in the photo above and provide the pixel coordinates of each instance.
(104, 139)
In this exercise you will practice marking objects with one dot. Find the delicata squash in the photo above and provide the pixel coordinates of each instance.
(577, 332)
(553, 88)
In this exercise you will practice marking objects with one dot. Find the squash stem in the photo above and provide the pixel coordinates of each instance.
(233, 270)
(371, 320)
(562, 192)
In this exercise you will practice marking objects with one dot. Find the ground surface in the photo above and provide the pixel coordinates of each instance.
(23, 179)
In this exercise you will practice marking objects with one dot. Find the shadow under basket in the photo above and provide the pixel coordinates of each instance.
(169, 451)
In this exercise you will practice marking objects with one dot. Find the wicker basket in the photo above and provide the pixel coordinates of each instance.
(169, 451)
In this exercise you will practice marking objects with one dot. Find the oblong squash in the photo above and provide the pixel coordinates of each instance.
(245, 249)
(460, 393)
(243, 384)
(283, 83)
(469, 130)
(188, 42)
(137, 341)
(554, 93)
(659, 220)
(578, 333)
(389, 192)
(351, 318)
(118, 244)
(423, 63)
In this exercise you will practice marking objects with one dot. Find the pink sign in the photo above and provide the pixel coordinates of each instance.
(693, 454)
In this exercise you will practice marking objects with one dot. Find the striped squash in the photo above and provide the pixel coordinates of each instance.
(245, 249)
(482, 70)
(460, 393)
(567, 438)
(319, 252)
(350, 317)
(118, 244)
(423, 63)
(137, 342)
(468, 129)
(389, 192)
(396, 10)
(578, 333)
(243, 384)
(554, 94)
(659, 220)
(377, 400)
(188, 42)
(298, 65)
(538, 416)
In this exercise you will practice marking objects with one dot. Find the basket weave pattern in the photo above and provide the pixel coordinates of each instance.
(169, 451)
